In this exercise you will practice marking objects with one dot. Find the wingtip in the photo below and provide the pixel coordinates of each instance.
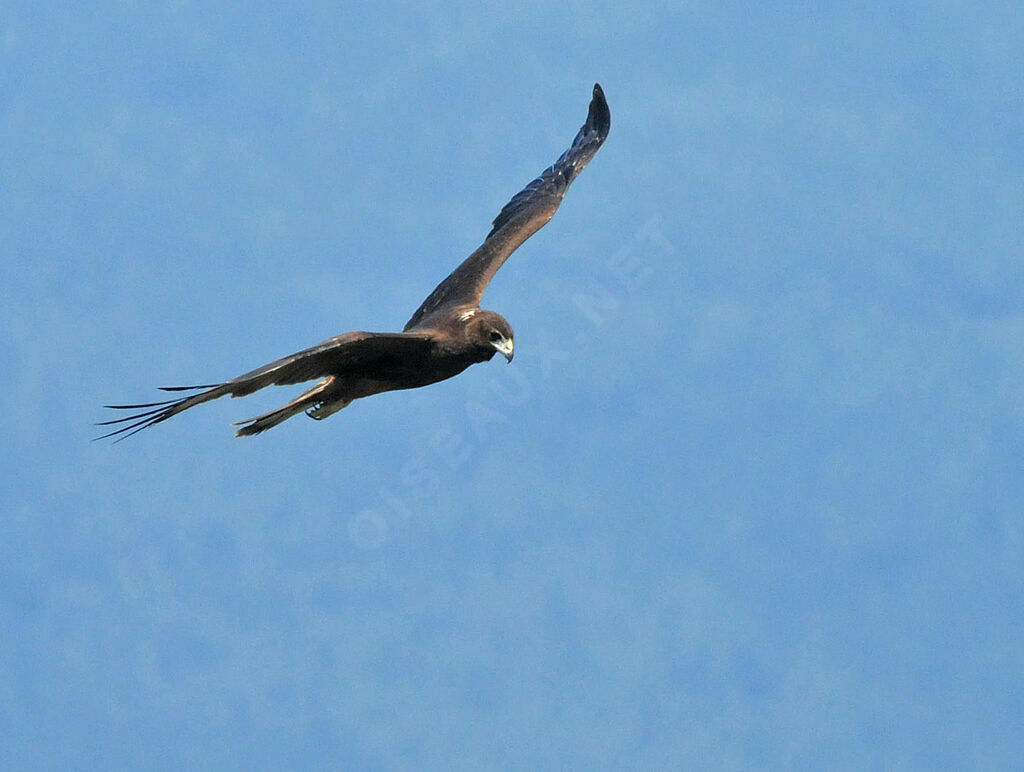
(600, 117)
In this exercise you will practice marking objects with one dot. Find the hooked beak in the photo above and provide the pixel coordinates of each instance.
(504, 347)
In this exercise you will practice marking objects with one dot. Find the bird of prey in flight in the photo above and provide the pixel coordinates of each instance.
(447, 333)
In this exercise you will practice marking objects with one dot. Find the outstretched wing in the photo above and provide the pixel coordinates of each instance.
(351, 355)
(524, 215)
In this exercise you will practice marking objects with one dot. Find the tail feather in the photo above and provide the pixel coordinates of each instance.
(250, 427)
(305, 401)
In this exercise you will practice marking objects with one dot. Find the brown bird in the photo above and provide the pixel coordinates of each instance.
(447, 333)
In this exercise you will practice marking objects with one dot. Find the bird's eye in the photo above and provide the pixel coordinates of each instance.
(496, 336)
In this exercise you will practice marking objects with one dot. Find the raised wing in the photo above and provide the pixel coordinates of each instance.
(352, 354)
(524, 215)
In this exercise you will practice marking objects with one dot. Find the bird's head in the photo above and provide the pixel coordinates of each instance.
(491, 332)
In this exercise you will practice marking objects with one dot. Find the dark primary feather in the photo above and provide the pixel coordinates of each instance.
(356, 352)
(520, 218)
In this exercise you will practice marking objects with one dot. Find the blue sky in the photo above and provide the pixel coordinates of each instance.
(749, 495)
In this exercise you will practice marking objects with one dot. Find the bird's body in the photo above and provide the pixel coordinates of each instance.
(407, 361)
(446, 334)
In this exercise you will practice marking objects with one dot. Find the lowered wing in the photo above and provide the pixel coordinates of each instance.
(352, 354)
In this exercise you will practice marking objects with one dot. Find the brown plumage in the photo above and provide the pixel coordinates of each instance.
(447, 333)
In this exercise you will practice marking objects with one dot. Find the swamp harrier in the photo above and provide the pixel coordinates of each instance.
(447, 333)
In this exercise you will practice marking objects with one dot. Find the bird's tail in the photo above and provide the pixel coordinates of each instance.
(161, 411)
(308, 402)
